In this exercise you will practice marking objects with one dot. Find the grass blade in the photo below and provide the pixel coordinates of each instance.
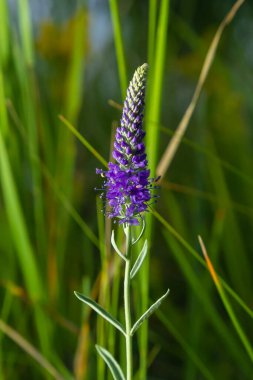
(76, 68)
(31, 350)
(83, 140)
(153, 107)
(199, 292)
(151, 30)
(4, 33)
(119, 46)
(194, 356)
(202, 262)
(18, 227)
(26, 31)
(226, 303)
(3, 113)
(176, 139)
(154, 96)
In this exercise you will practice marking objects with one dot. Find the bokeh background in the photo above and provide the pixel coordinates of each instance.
(58, 57)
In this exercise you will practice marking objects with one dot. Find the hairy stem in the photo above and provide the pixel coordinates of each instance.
(127, 307)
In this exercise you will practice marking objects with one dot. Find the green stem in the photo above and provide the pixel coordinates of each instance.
(127, 307)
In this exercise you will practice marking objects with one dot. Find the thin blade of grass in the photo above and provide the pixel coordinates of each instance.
(180, 131)
(193, 355)
(81, 358)
(23, 245)
(22, 59)
(195, 254)
(4, 33)
(83, 140)
(46, 173)
(76, 69)
(241, 280)
(70, 208)
(18, 227)
(210, 197)
(226, 303)
(118, 40)
(26, 31)
(214, 157)
(152, 14)
(30, 350)
(3, 112)
(152, 118)
(208, 309)
(20, 236)
(30, 114)
(104, 296)
(198, 314)
(156, 76)
(66, 147)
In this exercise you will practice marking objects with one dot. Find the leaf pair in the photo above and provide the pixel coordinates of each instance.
(113, 365)
(139, 259)
(95, 306)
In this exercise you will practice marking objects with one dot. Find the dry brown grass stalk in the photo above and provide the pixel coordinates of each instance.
(180, 131)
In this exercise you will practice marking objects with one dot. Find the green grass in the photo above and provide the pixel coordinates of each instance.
(55, 238)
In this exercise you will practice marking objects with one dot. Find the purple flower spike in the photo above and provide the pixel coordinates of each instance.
(127, 185)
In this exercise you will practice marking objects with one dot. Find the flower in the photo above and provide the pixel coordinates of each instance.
(127, 185)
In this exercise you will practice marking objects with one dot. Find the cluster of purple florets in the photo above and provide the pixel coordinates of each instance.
(127, 185)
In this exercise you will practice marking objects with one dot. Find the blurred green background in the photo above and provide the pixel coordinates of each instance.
(73, 58)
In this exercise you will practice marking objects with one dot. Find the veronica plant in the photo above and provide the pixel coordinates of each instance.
(127, 191)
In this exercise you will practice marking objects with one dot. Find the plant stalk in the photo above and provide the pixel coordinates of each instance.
(127, 306)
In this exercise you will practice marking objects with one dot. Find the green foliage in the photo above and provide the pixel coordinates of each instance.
(52, 236)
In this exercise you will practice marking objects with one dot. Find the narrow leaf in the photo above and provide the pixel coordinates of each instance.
(139, 260)
(241, 333)
(147, 313)
(95, 306)
(83, 140)
(119, 46)
(111, 362)
(195, 254)
(142, 232)
(115, 246)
